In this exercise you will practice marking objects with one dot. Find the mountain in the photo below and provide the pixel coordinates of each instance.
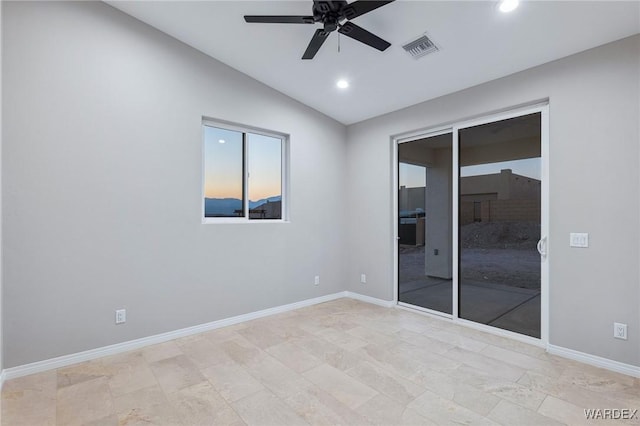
(221, 206)
(254, 204)
(227, 206)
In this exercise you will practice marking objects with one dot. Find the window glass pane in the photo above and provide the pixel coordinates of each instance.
(223, 170)
(425, 244)
(500, 218)
(265, 176)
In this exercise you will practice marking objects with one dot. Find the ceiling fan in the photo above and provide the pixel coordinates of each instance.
(332, 14)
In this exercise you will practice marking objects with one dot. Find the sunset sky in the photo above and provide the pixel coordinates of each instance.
(223, 164)
(414, 176)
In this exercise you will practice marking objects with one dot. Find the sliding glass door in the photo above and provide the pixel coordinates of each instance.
(470, 223)
(425, 223)
(500, 183)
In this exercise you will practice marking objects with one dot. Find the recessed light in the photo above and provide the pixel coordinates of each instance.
(221, 141)
(507, 6)
(342, 84)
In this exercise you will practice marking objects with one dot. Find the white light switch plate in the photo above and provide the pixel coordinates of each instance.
(579, 239)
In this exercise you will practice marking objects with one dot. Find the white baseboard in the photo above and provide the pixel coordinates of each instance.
(66, 360)
(608, 364)
(369, 299)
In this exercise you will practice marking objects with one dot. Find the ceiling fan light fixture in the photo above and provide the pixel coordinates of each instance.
(507, 6)
(342, 84)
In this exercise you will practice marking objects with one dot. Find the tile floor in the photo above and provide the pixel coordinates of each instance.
(338, 363)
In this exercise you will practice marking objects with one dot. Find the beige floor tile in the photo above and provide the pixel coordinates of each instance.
(596, 379)
(223, 334)
(397, 363)
(435, 381)
(176, 373)
(30, 400)
(289, 328)
(521, 394)
(111, 420)
(371, 336)
(201, 404)
(281, 380)
(342, 339)
(500, 341)
(542, 383)
(44, 382)
(81, 372)
(84, 402)
(417, 339)
(329, 353)
(507, 413)
(383, 411)
(261, 336)
(156, 415)
(397, 388)
(562, 411)
(343, 387)
(161, 351)
(232, 381)
(128, 372)
(264, 408)
(241, 350)
(463, 342)
(523, 361)
(586, 398)
(293, 357)
(318, 407)
(204, 353)
(444, 411)
(475, 399)
(142, 398)
(487, 364)
(440, 362)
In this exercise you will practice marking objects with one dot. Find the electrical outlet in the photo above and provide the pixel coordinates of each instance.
(316, 281)
(363, 278)
(620, 331)
(121, 316)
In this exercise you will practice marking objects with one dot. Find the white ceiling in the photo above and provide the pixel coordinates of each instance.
(477, 42)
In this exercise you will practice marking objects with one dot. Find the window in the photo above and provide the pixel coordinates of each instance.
(244, 174)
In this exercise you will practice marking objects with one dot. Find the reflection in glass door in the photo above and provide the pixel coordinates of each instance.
(499, 224)
(425, 223)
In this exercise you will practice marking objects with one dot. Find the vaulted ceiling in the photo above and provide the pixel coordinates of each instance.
(477, 44)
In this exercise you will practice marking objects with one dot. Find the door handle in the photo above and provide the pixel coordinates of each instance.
(542, 246)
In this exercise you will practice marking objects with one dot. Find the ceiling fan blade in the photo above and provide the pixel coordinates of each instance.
(316, 42)
(279, 19)
(358, 33)
(361, 7)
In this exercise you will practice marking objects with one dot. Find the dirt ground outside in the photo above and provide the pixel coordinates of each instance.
(497, 253)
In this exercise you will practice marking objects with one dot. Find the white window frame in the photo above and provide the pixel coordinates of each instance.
(284, 164)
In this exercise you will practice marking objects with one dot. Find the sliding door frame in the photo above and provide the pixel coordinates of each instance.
(543, 109)
(396, 236)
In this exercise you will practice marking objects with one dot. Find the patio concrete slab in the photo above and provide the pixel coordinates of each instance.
(525, 319)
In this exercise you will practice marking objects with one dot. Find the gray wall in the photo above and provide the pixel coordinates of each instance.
(595, 187)
(102, 186)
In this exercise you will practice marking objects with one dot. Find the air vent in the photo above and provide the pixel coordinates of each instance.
(420, 47)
